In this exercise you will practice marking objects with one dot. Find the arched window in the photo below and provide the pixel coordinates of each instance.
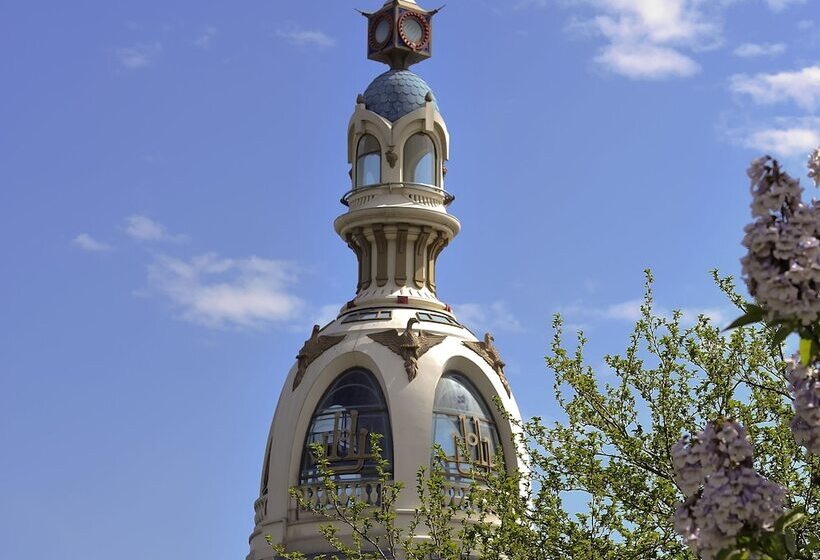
(420, 160)
(463, 427)
(351, 409)
(368, 161)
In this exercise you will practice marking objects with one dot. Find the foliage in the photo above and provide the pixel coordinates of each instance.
(612, 452)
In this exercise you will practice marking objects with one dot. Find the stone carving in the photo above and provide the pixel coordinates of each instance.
(314, 347)
(409, 345)
(489, 352)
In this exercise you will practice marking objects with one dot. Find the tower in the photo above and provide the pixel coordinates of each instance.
(396, 361)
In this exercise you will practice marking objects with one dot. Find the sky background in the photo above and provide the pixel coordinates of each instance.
(170, 171)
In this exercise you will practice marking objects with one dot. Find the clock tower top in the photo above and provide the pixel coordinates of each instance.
(400, 34)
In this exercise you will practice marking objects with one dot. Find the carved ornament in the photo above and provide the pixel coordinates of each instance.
(489, 352)
(314, 347)
(409, 345)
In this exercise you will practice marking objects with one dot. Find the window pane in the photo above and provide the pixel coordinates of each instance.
(352, 408)
(420, 160)
(463, 427)
(368, 161)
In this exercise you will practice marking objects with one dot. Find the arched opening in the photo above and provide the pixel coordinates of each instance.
(420, 160)
(351, 409)
(464, 427)
(368, 161)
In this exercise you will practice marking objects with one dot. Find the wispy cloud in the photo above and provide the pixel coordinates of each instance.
(646, 61)
(805, 24)
(780, 5)
(87, 243)
(487, 317)
(143, 228)
(203, 41)
(754, 50)
(648, 39)
(306, 37)
(220, 292)
(782, 137)
(801, 87)
(138, 56)
(581, 315)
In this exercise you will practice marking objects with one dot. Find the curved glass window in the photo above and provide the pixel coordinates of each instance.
(463, 427)
(368, 161)
(420, 160)
(351, 409)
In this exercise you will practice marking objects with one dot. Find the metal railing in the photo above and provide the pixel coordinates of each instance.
(432, 190)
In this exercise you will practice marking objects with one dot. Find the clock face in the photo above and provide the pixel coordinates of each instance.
(382, 31)
(413, 30)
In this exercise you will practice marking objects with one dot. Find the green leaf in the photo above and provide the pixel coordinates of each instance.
(805, 351)
(789, 519)
(781, 335)
(754, 314)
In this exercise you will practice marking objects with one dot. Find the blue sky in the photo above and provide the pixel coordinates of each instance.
(169, 173)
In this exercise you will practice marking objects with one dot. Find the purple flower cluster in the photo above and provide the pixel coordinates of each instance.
(814, 167)
(782, 266)
(724, 494)
(804, 385)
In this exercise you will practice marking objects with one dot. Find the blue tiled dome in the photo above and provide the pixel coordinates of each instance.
(395, 94)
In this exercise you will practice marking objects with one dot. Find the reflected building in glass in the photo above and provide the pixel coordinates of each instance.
(396, 361)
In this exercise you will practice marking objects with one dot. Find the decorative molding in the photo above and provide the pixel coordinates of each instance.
(355, 248)
(419, 254)
(381, 254)
(392, 157)
(401, 255)
(314, 347)
(367, 250)
(489, 352)
(409, 345)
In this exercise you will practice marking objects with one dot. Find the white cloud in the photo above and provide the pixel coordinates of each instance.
(138, 56)
(143, 228)
(805, 24)
(203, 41)
(647, 39)
(220, 292)
(780, 5)
(646, 62)
(492, 317)
(306, 38)
(87, 243)
(801, 87)
(784, 137)
(752, 50)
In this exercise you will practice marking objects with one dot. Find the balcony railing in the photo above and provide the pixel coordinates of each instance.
(419, 193)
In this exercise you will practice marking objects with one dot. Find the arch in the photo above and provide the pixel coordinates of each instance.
(420, 162)
(464, 427)
(352, 408)
(368, 161)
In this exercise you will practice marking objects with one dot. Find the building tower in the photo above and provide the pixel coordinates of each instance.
(396, 361)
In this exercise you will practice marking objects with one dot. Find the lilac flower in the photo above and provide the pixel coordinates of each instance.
(724, 493)
(804, 385)
(814, 167)
(782, 266)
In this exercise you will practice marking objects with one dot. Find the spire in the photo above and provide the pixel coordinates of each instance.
(396, 221)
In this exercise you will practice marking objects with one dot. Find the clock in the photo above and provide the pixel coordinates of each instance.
(399, 36)
(380, 31)
(414, 30)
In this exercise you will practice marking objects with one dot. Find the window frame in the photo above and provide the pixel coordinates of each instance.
(361, 158)
(433, 152)
(347, 416)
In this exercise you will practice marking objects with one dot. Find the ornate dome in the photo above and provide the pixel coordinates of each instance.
(396, 93)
